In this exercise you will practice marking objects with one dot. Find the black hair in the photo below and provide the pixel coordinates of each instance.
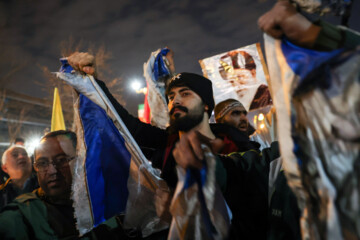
(71, 135)
(19, 139)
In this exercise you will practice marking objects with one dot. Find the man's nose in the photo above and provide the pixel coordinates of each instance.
(52, 169)
(22, 155)
(177, 99)
(174, 102)
(243, 116)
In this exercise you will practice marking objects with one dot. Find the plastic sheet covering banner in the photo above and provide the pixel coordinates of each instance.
(317, 106)
(111, 176)
(239, 74)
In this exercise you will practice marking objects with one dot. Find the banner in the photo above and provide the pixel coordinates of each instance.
(239, 74)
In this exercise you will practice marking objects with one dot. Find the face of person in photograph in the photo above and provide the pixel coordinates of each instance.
(52, 159)
(186, 108)
(238, 67)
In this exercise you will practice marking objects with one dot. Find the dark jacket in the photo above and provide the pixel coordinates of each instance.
(8, 192)
(33, 216)
(246, 170)
(284, 213)
(157, 144)
(332, 37)
(247, 191)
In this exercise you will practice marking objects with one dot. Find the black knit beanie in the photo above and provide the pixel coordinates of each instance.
(199, 84)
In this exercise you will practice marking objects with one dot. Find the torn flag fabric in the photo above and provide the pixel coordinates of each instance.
(111, 175)
(316, 95)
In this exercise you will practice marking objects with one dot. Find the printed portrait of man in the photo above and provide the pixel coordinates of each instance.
(239, 68)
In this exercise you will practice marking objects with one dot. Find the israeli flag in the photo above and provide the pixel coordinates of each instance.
(316, 96)
(111, 174)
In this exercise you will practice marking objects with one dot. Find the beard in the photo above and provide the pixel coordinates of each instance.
(243, 125)
(187, 122)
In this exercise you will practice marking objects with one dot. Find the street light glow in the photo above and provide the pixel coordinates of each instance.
(136, 85)
(32, 143)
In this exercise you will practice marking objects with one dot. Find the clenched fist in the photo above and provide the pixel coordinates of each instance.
(83, 62)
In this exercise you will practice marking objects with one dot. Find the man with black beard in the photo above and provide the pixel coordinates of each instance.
(187, 122)
(190, 103)
(232, 112)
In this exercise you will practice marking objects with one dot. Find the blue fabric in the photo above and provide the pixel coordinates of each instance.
(65, 66)
(107, 162)
(306, 63)
(160, 70)
(199, 176)
(192, 175)
(302, 60)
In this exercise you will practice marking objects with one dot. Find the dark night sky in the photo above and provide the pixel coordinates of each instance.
(31, 33)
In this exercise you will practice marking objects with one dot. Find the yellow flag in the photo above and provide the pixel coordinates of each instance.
(57, 119)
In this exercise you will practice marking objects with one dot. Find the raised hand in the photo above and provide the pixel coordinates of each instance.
(283, 19)
(83, 62)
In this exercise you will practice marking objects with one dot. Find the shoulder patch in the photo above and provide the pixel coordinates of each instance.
(25, 197)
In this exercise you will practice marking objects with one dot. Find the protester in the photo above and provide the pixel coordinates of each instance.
(283, 212)
(47, 213)
(246, 183)
(190, 104)
(17, 164)
(284, 20)
(232, 112)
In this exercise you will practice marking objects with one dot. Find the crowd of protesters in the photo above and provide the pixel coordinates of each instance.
(36, 201)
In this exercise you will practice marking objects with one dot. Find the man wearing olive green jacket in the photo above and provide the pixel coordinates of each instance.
(47, 213)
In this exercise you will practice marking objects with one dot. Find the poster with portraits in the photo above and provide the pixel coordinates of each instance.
(239, 74)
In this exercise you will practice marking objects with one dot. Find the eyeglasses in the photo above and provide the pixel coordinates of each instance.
(58, 163)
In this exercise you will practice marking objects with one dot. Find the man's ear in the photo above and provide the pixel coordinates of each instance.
(206, 107)
(4, 168)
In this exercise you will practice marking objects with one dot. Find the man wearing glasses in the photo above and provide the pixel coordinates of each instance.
(47, 212)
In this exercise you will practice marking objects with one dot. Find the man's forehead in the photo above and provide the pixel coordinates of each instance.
(178, 89)
(237, 108)
(55, 145)
(17, 149)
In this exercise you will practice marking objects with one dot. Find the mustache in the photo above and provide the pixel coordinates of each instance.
(243, 122)
(184, 109)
